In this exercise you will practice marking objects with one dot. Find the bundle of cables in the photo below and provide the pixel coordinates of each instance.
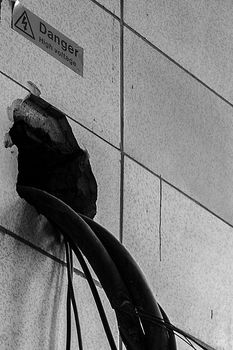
(143, 324)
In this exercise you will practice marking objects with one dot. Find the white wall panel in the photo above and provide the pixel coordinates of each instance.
(194, 279)
(178, 128)
(196, 34)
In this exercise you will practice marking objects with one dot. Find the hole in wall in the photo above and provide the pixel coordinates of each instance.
(49, 157)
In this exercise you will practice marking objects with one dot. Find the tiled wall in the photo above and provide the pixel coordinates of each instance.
(154, 110)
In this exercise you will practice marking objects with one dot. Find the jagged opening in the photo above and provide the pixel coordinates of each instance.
(49, 157)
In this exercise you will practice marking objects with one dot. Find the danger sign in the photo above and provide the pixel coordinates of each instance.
(24, 25)
(47, 38)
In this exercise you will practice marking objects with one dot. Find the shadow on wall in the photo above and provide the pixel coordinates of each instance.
(32, 226)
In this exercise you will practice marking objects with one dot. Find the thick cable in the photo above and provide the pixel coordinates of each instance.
(81, 236)
(134, 279)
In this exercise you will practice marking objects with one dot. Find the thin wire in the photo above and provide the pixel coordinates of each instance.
(169, 327)
(186, 340)
(68, 305)
(71, 292)
(95, 295)
(171, 340)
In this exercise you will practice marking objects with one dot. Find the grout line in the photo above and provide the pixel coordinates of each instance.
(177, 64)
(91, 131)
(120, 343)
(160, 217)
(122, 121)
(42, 251)
(121, 235)
(179, 190)
(14, 81)
(106, 10)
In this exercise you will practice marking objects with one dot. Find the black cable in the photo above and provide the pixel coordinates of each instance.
(68, 307)
(71, 292)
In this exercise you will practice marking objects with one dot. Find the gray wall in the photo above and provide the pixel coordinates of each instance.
(154, 111)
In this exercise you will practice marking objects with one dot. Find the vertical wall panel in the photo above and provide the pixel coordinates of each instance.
(194, 279)
(177, 127)
(198, 35)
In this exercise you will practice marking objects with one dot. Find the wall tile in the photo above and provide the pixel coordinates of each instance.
(194, 280)
(33, 303)
(198, 35)
(177, 127)
(141, 217)
(92, 99)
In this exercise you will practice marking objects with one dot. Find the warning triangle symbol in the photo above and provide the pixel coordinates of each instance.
(24, 25)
